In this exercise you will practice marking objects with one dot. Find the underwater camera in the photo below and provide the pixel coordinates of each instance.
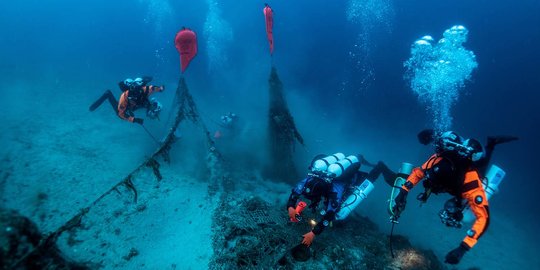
(154, 109)
(452, 214)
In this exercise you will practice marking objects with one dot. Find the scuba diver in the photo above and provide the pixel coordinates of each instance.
(428, 136)
(135, 95)
(338, 180)
(228, 120)
(455, 168)
(229, 126)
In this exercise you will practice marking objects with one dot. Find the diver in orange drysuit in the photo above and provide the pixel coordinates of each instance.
(135, 95)
(451, 170)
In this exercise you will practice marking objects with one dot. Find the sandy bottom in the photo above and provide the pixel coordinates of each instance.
(55, 163)
(60, 160)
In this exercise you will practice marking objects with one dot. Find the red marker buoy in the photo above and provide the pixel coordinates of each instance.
(186, 45)
(269, 20)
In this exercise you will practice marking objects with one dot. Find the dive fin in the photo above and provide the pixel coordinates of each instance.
(146, 79)
(494, 140)
(99, 101)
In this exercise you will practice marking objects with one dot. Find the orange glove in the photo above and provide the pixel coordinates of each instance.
(292, 214)
(308, 238)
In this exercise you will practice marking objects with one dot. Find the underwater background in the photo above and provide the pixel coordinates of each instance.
(342, 66)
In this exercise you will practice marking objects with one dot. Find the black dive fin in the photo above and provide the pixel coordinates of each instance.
(494, 140)
(98, 102)
(146, 79)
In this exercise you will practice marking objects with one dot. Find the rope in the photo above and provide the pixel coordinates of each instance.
(391, 234)
(77, 219)
(173, 106)
(150, 134)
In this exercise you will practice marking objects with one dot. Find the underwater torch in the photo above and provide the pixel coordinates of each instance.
(299, 208)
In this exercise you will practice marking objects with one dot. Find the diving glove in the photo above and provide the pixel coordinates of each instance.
(400, 202)
(454, 256)
(139, 121)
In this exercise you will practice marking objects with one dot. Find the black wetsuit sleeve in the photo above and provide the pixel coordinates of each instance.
(329, 216)
(293, 199)
(297, 192)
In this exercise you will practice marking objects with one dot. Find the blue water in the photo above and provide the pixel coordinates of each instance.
(342, 63)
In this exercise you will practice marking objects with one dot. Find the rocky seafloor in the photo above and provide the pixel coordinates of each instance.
(250, 233)
(18, 236)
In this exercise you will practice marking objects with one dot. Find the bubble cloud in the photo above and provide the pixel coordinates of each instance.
(218, 34)
(371, 16)
(438, 71)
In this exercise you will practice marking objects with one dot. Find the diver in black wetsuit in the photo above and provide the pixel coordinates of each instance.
(333, 193)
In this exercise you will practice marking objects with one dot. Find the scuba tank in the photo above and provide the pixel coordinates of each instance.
(403, 173)
(358, 195)
(335, 166)
(322, 164)
(336, 170)
(332, 167)
(491, 183)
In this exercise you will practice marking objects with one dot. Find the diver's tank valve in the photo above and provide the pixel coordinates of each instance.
(491, 183)
(358, 195)
(337, 169)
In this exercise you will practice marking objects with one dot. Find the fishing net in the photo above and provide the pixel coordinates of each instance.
(283, 133)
